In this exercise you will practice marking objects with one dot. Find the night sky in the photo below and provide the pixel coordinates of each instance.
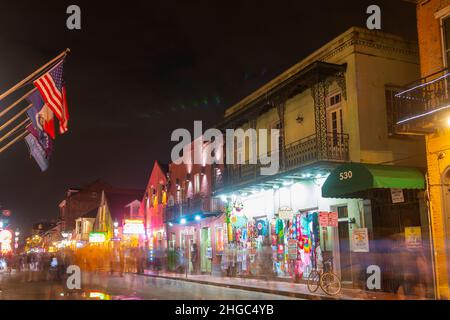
(139, 71)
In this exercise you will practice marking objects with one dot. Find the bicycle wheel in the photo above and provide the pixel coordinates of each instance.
(313, 281)
(330, 283)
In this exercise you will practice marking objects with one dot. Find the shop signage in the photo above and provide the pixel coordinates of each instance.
(219, 240)
(97, 237)
(133, 227)
(360, 240)
(286, 213)
(5, 241)
(292, 249)
(328, 219)
(397, 196)
(413, 237)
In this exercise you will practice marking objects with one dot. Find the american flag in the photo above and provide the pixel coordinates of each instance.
(52, 89)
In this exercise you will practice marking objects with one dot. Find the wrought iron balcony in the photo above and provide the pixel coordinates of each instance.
(193, 206)
(306, 151)
(418, 108)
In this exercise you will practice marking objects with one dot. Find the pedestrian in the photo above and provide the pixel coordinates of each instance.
(179, 260)
(194, 258)
(121, 262)
(141, 261)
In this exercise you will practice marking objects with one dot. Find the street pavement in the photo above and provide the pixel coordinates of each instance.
(32, 285)
(287, 288)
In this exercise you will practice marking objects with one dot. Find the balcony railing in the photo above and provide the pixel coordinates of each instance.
(297, 154)
(423, 98)
(192, 206)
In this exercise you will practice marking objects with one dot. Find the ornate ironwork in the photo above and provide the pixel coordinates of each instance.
(302, 152)
(425, 97)
(319, 93)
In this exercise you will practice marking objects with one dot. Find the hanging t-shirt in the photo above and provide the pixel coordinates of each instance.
(244, 235)
(304, 222)
(261, 227)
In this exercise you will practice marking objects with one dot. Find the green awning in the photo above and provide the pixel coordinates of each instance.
(350, 178)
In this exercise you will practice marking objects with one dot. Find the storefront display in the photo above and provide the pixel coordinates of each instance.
(285, 245)
(296, 243)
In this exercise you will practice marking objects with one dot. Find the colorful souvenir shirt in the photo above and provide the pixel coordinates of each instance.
(260, 226)
(244, 235)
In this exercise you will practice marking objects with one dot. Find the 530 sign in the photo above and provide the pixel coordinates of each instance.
(346, 175)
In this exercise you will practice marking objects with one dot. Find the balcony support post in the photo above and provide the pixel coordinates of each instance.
(319, 92)
(281, 109)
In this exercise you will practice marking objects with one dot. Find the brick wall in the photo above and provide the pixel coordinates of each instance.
(431, 58)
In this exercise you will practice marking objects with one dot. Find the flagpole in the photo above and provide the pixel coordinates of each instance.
(26, 121)
(24, 81)
(7, 123)
(3, 112)
(9, 144)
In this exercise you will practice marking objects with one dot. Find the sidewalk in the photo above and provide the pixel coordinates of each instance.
(276, 287)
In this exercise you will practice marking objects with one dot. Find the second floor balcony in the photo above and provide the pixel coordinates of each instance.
(193, 206)
(295, 155)
(423, 106)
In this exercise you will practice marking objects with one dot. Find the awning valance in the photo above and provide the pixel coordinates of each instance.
(350, 178)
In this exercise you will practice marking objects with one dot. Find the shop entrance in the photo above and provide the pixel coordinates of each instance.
(446, 209)
(188, 241)
(344, 244)
(171, 252)
(205, 244)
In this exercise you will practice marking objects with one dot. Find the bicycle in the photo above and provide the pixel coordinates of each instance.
(326, 279)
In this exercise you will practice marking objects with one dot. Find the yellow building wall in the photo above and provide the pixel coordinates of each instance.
(301, 105)
(432, 60)
(369, 68)
(439, 144)
(374, 71)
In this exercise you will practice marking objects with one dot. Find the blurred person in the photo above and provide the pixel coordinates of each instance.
(194, 258)
(180, 263)
(46, 266)
(408, 269)
(141, 261)
(121, 262)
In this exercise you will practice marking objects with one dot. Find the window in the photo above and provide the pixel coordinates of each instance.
(197, 183)
(446, 38)
(391, 108)
(336, 99)
(335, 122)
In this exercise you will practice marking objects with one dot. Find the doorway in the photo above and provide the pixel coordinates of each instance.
(335, 123)
(188, 242)
(446, 210)
(345, 261)
(205, 245)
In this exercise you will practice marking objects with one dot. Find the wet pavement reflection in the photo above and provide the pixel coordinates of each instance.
(33, 285)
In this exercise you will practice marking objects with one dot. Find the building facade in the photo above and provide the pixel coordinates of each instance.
(152, 207)
(193, 217)
(330, 111)
(422, 108)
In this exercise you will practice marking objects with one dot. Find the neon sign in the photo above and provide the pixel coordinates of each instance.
(5, 241)
(133, 227)
(97, 237)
